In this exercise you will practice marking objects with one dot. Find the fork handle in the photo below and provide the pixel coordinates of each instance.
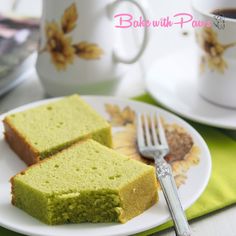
(165, 177)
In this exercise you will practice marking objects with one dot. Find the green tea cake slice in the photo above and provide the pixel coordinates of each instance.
(39, 132)
(87, 182)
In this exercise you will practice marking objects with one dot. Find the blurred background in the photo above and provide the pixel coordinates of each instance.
(162, 40)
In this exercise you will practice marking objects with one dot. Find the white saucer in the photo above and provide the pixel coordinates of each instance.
(172, 82)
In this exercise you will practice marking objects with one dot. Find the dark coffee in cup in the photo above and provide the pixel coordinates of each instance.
(226, 12)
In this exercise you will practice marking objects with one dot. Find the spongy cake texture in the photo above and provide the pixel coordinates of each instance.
(87, 182)
(47, 129)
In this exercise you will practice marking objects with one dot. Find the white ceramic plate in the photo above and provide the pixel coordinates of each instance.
(171, 80)
(17, 220)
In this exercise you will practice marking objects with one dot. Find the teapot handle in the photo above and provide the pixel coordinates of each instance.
(139, 53)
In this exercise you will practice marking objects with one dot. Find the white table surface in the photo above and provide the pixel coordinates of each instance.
(221, 223)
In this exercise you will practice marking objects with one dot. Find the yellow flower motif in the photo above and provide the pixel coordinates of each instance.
(183, 153)
(59, 43)
(88, 51)
(125, 142)
(59, 46)
(120, 117)
(213, 49)
(68, 20)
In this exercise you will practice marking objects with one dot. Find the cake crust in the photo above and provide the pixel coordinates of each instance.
(19, 145)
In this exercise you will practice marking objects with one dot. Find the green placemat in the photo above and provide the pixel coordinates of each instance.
(221, 189)
(220, 192)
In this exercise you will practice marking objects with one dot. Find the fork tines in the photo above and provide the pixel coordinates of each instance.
(150, 130)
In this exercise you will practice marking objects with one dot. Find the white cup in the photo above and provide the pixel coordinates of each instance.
(77, 46)
(217, 52)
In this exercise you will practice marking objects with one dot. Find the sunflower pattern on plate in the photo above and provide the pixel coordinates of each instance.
(60, 46)
(183, 152)
(213, 50)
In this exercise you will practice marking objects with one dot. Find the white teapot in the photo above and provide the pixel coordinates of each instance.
(77, 47)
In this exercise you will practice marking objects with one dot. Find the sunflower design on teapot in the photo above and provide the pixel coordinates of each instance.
(60, 46)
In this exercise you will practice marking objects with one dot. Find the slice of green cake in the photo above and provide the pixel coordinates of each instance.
(39, 132)
(87, 182)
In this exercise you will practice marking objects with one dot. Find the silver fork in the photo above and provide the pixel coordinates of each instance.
(152, 144)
